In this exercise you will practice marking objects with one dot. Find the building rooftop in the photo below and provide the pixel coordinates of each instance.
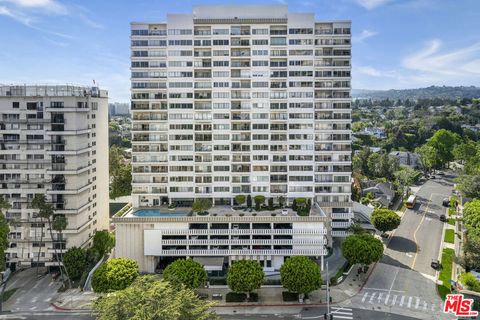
(49, 90)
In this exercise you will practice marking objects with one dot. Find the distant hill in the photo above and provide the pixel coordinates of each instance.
(420, 93)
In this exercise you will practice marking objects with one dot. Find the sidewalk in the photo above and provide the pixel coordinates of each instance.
(270, 297)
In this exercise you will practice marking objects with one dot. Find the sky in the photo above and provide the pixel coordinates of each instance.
(396, 43)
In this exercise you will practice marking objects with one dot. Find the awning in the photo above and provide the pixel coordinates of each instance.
(210, 263)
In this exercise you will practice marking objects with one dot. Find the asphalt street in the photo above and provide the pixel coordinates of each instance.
(403, 281)
(46, 315)
(339, 313)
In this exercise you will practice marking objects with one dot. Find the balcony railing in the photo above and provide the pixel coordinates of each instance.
(302, 252)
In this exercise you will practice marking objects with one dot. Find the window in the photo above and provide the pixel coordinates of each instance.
(260, 42)
(15, 105)
(278, 41)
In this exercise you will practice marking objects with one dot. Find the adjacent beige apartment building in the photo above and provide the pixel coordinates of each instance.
(53, 141)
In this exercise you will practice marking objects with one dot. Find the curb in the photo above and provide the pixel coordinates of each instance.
(57, 308)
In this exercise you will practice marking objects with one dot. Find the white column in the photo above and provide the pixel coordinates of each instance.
(321, 263)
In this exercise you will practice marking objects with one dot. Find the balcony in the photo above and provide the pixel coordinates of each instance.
(301, 252)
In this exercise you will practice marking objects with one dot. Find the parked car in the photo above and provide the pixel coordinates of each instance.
(284, 212)
(443, 218)
(446, 202)
(435, 264)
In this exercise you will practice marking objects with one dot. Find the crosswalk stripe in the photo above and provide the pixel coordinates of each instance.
(401, 301)
(380, 295)
(418, 303)
(394, 300)
(341, 312)
(371, 297)
(365, 296)
(386, 298)
(343, 317)
(409, 302)
(424, 305)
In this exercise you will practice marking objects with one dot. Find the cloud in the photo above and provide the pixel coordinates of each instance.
(46, 5)
(365, 34)
(371, 4)
(456, 62)
(4, 11)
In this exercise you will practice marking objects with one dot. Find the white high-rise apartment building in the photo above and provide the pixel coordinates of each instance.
(238, 100)
(53, 141)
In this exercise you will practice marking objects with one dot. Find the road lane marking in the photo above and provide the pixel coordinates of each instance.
(364, 297)
(386, 298)
(418, 303)
(394, 300)
(416, 230)
(409, 302)
(371, 298)
(379, 289)
(401, 301)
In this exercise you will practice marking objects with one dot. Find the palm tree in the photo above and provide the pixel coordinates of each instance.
(46, 211)
(59, 224)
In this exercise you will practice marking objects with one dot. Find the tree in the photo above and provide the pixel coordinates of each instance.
(385, 220)
(122, 182)
(362, 248)
(281, 201)
(75, 262)
(4, 231)
(151, 298)
(240, 199)
(471, 249)
(471, 281)
(469, 185)
(294, 205)
(187, 272)
(465, 151)
(103, 242)
(244, 276)
(46, 212)
(270, 203)
(201, 204)
(404, 178)
(300, 274)
(259, 200)
(443, 141)
(115, 274)
(428, 157)
(471, 218)
(249, 201)
(301, 203)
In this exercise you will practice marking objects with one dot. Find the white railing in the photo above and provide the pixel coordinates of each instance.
(342, 215)
(320, 241)
(300, 252)
(341, 224)
(239, 231)
(340, 233)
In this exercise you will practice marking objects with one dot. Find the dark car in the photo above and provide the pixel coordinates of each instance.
(435, 264)
(443, 218)
(446, 202)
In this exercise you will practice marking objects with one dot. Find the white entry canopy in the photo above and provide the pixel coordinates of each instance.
(210, 263)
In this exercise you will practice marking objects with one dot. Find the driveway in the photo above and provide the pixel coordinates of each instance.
(33, 294)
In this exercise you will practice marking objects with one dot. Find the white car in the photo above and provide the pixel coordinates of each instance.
(284, 212)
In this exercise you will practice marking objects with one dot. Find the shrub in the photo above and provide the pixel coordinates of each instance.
(289, 296)
(75, 261)
(115, 274)
(241, 297)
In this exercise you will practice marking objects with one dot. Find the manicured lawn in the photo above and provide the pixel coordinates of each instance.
(451, 221)
(446, 272)
(449, 236)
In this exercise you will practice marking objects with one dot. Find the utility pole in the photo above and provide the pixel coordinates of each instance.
(328, 295)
